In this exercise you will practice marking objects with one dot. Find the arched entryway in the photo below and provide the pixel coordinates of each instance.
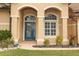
(28, 21)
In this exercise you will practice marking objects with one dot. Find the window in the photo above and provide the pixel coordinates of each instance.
(50, 17)
(47, 28)
(30, 18)
(50, 25)
(53, 28)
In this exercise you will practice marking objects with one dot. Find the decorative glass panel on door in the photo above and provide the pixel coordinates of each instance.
(30, 31)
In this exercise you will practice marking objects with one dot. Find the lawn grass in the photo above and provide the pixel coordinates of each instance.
(22, 52)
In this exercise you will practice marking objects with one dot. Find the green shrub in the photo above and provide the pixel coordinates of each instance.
(5, 39)
(73, 41)
(46, 42)
(59, 40)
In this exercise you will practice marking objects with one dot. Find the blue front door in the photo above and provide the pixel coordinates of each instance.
(30, 31)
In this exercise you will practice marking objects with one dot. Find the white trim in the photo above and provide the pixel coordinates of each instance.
(14, 16)
(23, 28)
(39, 16)
(4, 23)
(65, 17)
(57, 7)
(50, 37)
(27, 6)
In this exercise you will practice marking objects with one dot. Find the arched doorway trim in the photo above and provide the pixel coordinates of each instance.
(56, 7)
(25, 6)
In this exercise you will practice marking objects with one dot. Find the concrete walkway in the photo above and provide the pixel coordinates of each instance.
(31, 48)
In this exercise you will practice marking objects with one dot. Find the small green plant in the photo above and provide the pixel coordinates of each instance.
(59, 40)
(46, 42)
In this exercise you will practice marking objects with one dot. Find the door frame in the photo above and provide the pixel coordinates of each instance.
(24, 28)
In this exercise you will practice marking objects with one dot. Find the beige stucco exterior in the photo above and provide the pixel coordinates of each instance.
(4, 19)
(19, 11)
(18, 28)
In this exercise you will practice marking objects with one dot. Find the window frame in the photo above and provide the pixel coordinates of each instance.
(51, 21)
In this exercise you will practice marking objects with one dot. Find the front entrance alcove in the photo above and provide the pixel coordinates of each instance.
(27, 24)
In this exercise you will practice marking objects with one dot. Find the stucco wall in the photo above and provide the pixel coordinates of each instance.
(4, 19)
(15, 7)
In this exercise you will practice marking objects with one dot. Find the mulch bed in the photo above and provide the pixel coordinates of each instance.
(55, 46)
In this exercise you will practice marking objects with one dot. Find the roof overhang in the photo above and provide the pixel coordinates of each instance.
(75, 8)
(4, 5)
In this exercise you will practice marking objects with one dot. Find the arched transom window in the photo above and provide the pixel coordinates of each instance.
(30, 18)
(50, 17)
(50, 25)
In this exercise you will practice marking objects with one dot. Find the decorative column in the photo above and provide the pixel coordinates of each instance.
(40, 28)
(14, 29)
(65, 35)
